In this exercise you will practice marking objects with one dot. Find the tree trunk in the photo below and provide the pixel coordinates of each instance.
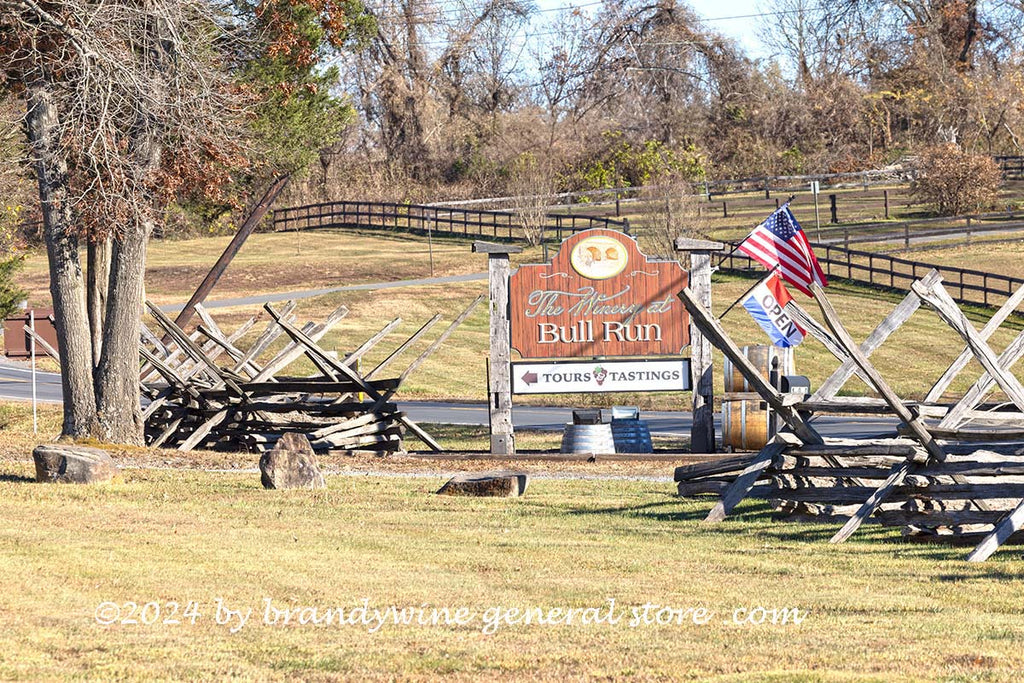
(117, 374)
(98, 272)
(67, 284)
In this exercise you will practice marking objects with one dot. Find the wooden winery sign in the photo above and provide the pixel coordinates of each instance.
(599, 296)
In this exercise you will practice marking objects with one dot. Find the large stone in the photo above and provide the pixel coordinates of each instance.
(291, 465)
(503, 484)
(68, 464)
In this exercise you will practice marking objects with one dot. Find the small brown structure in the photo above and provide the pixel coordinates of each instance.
(17, 341)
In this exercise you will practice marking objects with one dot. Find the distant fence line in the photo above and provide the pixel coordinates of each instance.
(1012, 167)
(906, 232)
(880, 270)
(437, 219)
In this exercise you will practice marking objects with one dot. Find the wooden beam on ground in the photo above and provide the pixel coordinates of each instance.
(1004, 529)
(896, 475)
(738, 490)
(712, 329)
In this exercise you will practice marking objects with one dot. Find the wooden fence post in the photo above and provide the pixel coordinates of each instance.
(702, 431)
(832, 207)
(499, 390)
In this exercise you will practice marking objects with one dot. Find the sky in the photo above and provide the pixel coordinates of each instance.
(732, 18)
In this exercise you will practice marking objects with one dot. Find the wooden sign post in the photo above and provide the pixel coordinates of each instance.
(499, 389)
(702, 432)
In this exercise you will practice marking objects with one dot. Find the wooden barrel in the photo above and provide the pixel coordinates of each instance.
(760, 356)
(744, 424)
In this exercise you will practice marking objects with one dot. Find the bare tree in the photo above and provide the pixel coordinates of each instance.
(670, 211)
(531, 183)
(108, 86)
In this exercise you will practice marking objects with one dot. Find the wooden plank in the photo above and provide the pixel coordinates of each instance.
(203, 430)
(402, 348)
(712, 468)
(999, 535)
(876, 381)
(315, 351)
(745, 481)
(163, 436)
(353, 358)
(702, 429)
(892, 322)
(804, 319)
(45, 345)
(896, 475)
(436, 344)
(266, 338)
(248, 225)
(939, 299)
(993, 324)
(1007, 359)
(711, 328)
(344, 425)
(293, 350)
(491, 248)
(192, 349)
(499, 375)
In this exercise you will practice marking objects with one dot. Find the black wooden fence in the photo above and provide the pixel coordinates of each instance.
(879, 270)
(1013, 167)
(507, 225)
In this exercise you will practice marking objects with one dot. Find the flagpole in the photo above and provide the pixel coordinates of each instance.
(751, 289)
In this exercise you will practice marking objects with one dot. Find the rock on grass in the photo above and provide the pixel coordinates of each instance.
(69, 464)
(291, 464)
(498, 484)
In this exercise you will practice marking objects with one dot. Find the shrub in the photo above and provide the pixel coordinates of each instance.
(955, 181)
(10, 294)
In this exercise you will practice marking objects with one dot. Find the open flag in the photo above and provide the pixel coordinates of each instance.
(766, 304)
(779, 242)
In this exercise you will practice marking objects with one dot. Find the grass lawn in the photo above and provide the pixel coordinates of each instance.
(875, 608)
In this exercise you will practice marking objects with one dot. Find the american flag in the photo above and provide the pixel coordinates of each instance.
(779, 242)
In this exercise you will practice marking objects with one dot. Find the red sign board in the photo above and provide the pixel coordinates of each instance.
(599, 296)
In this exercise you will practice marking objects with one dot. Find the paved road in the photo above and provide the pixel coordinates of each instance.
(15, 384)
